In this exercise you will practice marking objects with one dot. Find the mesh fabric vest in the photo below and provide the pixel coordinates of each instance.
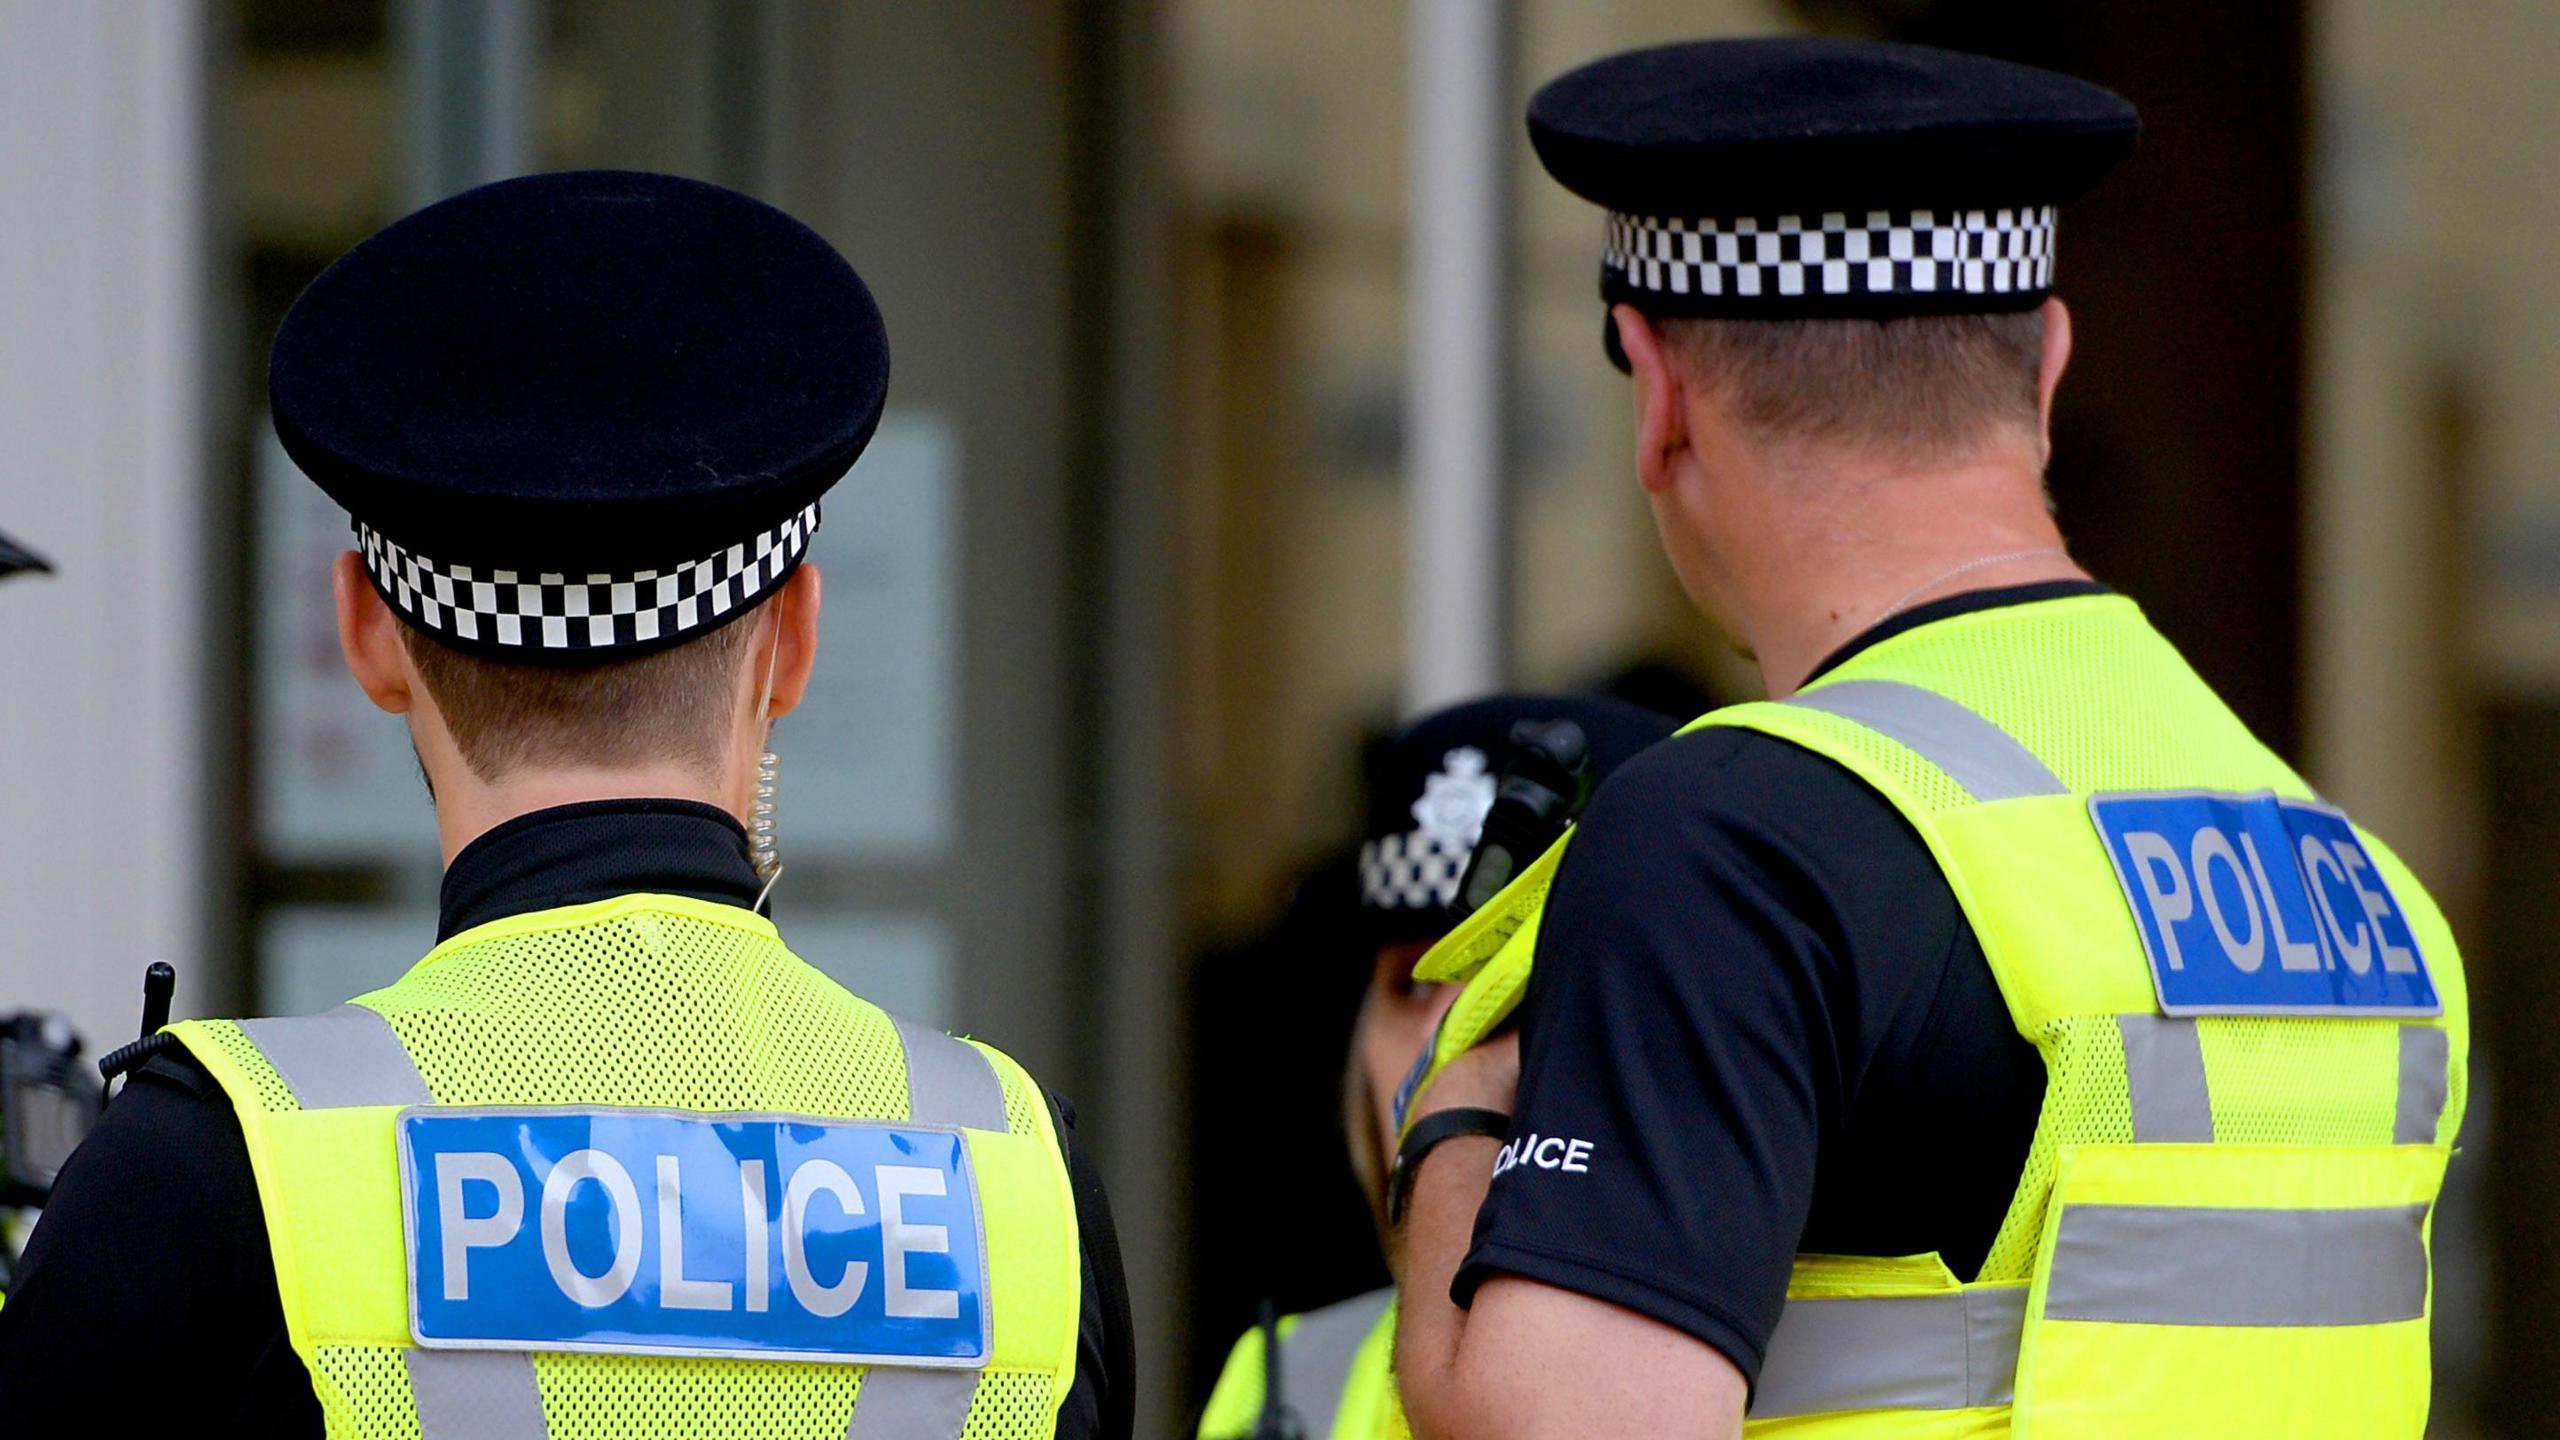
(645, 1001)
(2223, 1223)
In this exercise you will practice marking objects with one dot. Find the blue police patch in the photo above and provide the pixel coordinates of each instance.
(670, 1233)
(2257, 905)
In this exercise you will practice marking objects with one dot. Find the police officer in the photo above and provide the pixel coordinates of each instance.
(1430, 787)
(1986, 1030)
(611, 1160)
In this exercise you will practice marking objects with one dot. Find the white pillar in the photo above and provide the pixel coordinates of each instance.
(103, 721)
(1457, 541)
(467, 71)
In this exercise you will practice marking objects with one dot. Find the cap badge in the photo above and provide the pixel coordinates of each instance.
(1455, 801)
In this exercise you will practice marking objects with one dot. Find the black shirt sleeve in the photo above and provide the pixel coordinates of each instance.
(1758, 1023)
(148, 1278)
(1103, 1402)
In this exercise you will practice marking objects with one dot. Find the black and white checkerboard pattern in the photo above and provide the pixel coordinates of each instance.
(1414, 871)
(559, 614)
(1915, 252)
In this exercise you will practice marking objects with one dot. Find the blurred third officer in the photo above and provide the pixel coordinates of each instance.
(611, 1160)
(1985, 1031)
(1429, 789)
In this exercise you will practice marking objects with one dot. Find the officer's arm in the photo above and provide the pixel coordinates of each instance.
(147, 1291)
(1104, 1403)
(1529, 1359)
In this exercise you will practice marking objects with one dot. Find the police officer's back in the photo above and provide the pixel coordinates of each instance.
(611, 1160)
(1987, 1032)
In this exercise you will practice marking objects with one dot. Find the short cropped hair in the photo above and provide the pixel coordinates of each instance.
(1922, 388)
(510, 715)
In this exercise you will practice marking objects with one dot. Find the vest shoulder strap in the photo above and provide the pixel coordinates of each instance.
(1321, 1354)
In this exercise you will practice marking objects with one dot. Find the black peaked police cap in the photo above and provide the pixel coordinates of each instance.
(580, 416)
(1813, 177)
(1430, 785)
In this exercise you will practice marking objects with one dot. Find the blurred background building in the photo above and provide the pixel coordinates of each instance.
(1123, 588)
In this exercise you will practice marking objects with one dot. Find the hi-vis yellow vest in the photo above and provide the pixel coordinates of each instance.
(639, 1017)
(1336, 1375)
(2223, 1224)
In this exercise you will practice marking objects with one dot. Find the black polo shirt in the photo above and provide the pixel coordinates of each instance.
(1759, 1008)
(148, 1292)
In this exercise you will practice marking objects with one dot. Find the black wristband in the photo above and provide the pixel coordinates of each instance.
(1429, 1131)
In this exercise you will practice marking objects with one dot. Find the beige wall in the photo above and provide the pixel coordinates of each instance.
(2435, 334)
(2433, 566)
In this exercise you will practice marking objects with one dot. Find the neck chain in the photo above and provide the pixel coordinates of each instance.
(2054, 552)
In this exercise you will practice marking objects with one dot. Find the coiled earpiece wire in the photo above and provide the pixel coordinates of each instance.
(764, 843)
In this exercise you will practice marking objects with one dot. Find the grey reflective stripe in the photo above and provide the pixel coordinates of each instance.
(1952, 1350)
(476, 1395)
(2164, 1068)
(1983, 758)
(347, 1056)
(2426, 1061)
(1995, 1322)
(1317, 1354)
(2191, 1265)
(949, 1082)
(912, 1404)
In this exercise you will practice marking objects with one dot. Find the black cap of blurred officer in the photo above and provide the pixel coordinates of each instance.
(1431, 784)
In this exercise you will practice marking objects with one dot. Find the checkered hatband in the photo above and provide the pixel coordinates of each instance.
(562, 616)
(1914, 254)
(1419, 870)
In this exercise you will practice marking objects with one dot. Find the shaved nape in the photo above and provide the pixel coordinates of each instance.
(1921, 390)
(507, 716)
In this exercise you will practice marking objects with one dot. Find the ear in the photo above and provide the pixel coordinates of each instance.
(369, 636)
(1662, 420)
(2057, 354)
(797, 616)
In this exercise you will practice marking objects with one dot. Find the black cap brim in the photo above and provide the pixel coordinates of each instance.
(17, 559)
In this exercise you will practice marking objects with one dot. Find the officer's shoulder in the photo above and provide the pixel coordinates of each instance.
(177, 1067)
(1723, 777)
(169, 1130)
(166, 1104)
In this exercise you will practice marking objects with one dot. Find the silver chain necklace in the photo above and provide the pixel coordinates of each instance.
(1986, 562)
